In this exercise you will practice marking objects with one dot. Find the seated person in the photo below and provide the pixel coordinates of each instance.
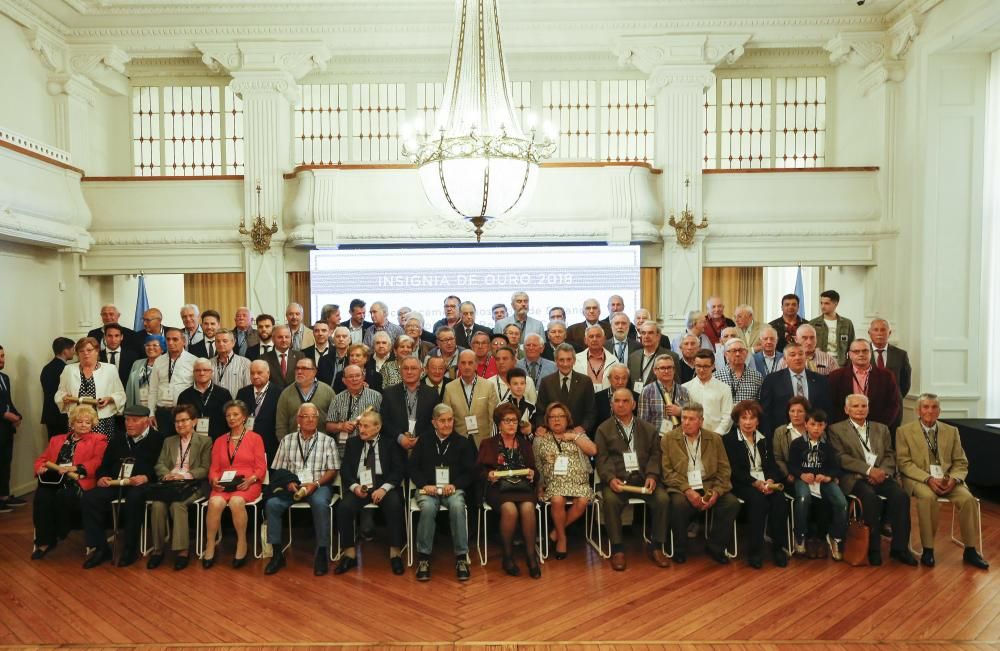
(131, 456)
(783, 436)
(813, 463)
(933, 465)
(697, 474)
(868, 471)
(66, 470)
(513, 498)
(311, 457)
(628, 453)
(239, 458)
(183, 464)
(372, 473)
(563, 460)
(443, 468)
(754, 474)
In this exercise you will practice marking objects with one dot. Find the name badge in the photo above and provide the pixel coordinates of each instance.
(127, 470)
(666, 425)
(227, 476)
(814, 489)
(757, 474)
(250, 422)
(637, 387)
(202, 426)
(442, 476)
(305, 476)
(561, 467)
(365, 479)
(936, 471)
(144, 394)
(471, 425)
(412, 424)
(631, 462)
(165, 393)
(694, 479)
(870, 458)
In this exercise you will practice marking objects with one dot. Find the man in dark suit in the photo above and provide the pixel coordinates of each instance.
(261, 398)
(208, 398)
(356, 324)
(640, 362)
(789, 321)
(205, 347)
(407, 407)
(616, 305)
(779, 387)
(244, 336)
(620, 344)
(859, 376)
(371, 473)
(766, 359)
(467, 326)
(891, 358)
(265, 342)
(575, 334)
(54, 420)
(282, 359)
(555, 334)
(575, 390)
(617, 379)
(10, 418)
(321, 343)
(131, 340)
(116, 353)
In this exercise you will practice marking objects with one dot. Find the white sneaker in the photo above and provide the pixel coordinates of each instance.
(800, 544)
(835, 551)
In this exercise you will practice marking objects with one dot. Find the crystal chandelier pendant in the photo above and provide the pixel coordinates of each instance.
(479, 165)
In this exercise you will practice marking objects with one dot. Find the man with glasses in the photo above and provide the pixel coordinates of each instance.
(712, 394)
(640, 362)
(661, 401)
(796, 380)
(306, 388)
(535, 366)
(447, 349)
(451, 313)
(744, 381)
(861, 377)
(208, 399)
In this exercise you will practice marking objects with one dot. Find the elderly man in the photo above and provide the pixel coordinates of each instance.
(131, 340)
(499, 312)
(616, 377)
(642, 316)
(301, 335)
(714, 395)
(779, 387)
(486, 366)
(868, 464)
(748, 327)
(131, 456)
(834, 332)
(347, 406)
(472, 399)
(933, 465)
(859, 376)
(306, 388)
(244, 335)
(321, 343)
(535, 366)
(191, 320)
(407, 406)
(661, 401)
(576, 334)
(436, 375)
(789, 321)
(696, 472)
(629, 454)
(335, 360)
(816, 360)
(891, 358)
(616, 305)
(261, 398)
(467, 326)
(229, 370)
(573, 389)
(172, 374)
(379, 312)
(620, 344)
(506, 362)
(767, 358)
(282, 359)
(356, 323)
(689, 347)
(443, 467)
(330, 315)
(555, 334)
(716, 320)
(211, 321)
(452, 315)
(519, 304)
(152, 323)
(447, 349)
(743, 380)
(309, 457)
(208, 398)
(557, 314)
(594, 358)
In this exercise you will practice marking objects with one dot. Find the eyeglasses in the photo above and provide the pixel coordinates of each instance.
(178, 421)
(304, 368)
(703, 367)
(508, 420)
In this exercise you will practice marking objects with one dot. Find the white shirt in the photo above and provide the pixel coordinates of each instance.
(173, 383)
(717, 399)
(831, 335)
(499, 387)
(584, 364)
(233, 375)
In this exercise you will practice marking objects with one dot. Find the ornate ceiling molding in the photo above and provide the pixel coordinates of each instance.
(857, 48)
(295, 58)
(680, 59)
(74, 85)
(48, 49)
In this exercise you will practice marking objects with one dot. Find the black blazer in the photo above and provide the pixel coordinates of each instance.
(364, 324)
(200, 349)
(581, 399)
(460, 337)
(395, 420)
(460, 457)
(211, 409)
(134, 341)
(6, 402)
(602, 404)
(777, 390)
(146, 453)
(275, 365)
(264, 421)
(54, 420)
(372, 377)
(390, 456)
(327, 369)
(739, 462)
(126, 359)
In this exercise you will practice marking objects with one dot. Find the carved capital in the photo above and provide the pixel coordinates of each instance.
(249, 85)
(697, 78)
(294, 58)
(856, 48)
(76, 86)
(647, 53)
(903, 33)
(881, 72)
(49, 51)
(103, 64)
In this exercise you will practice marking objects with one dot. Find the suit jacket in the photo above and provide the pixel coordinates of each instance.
(898, 361)
(530, 325)
(199, 457)
(913, 456)
(633, 334)
(145, 453)
(883, 395)
(545, 367)
(611, 448)
(390, 457)
(784, 337)
(253, 351)
(750, 336)
(631, 345)
(134, 341)
(200, 349)
(581, 399)
(460, 337)
(327, 370)
(739, 459)
(264, 420)
(484, 401)
(274, 364)
(306, 339)
(395, 419)
(576, 333)
(126, 358)
(717, 475)
(310, 352)
(777, 390)
(850, 453)
(635, 365)
(249, 340)
(53, 419)
(845, 335)
(758, 362)
(459, 456)
(210, 409)
(7, 403)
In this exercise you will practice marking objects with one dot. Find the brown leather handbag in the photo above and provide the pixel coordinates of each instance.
(858, 533)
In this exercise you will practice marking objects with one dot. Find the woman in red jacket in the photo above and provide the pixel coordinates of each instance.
(66, 468)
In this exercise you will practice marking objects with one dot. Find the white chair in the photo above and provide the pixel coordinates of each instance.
(253, 526)
(708, 525)
(412, 492)
(145, 545)
(594, 535)
(482, 535)
(954, 511)
(334, 498)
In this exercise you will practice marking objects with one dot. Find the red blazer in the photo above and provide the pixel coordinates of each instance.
(89, 453)
(883, 395)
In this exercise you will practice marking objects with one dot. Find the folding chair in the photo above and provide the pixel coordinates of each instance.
(412, 492)
(956, 540)
(253, 522)
(482, 535)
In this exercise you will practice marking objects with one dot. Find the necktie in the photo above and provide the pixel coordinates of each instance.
(370, 456)
(565, 388)
(284, 364)
(799, 389)
(211, 348)
(881, 360)
(114, 358)
(468, 334)
(620, 351)
(533, 371)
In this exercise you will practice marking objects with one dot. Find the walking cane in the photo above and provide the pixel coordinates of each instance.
(122, 481)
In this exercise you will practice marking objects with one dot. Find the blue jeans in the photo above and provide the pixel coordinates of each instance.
(838, 506)
(281, 502)
(429, 505)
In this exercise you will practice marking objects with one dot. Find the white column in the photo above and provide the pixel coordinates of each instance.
(74, 97)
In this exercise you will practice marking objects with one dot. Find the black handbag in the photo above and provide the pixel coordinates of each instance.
(515, 485)
(172, 491)
(231, 486)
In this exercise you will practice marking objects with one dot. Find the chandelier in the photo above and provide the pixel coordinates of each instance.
(479, 165)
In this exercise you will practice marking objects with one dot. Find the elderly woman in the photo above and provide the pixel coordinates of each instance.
(358, 355)
(381, 349)
(695, 326)
(238, 467)
(90, 382)
(137, 386)
(782, 439)
(563, 458)
(66, 468)
(512, 497)
(390, 370)
(414, 329)
(753, 475)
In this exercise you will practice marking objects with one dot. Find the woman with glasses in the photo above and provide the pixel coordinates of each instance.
(91, 383)
(137, 385)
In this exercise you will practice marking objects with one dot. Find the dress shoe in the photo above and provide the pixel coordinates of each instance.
(320, 565)
(396, 563)
(927, 557)
(462, 569)
(5, 507)
(423, 570)
(154, 561)
(679, 557)
(618, 561)
(276, 563)
(780, 558)
(100, 555)
(207, 563)
(658, 557)
(534, 569)
(39, 553)
(973, 558)
(15, 501)
(756, 562)
(180, 562)
(561, 556)
(239, 562)
(718, 555)
(510, 567)
(346, 564)
(836, 549)
(128, 558)
(875, 558)
(904, 557)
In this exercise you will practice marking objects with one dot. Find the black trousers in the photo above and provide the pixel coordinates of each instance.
(6, 458)
(165, 421)
(770, 510)
(896, 508)
(54, 512)
(95, 504)
(350, 505)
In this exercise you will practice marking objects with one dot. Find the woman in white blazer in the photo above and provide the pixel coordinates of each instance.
(90, 382)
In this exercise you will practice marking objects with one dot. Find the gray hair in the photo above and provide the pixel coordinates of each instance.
(281, 327)
(440, 409)
(415, 316)
(735, 341)
(743, 307)
(305, 406)
(663, 356)
(381, 334)
(564, 348)
(611, 369)
(593, 327)
(555, 322)
(928, 397)
(805, 326)
(768, 329)
(537, 336)
(692, 318)
(339, 328)
(380, 305)
(189, 306)
(695, 407)
(619, 315)
(855, 396)
(202, 361)
(514, 296)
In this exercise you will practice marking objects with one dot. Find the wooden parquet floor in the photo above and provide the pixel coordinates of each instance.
(579, 603)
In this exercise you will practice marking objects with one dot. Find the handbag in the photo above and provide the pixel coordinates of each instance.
(231, 486)
(515, 486)
(172, 491)
(858, 534)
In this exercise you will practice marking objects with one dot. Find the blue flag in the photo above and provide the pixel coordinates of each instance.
(799, 293)
(141, 304)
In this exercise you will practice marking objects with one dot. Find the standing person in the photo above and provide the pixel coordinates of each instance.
(860, 376)
(261, 398)
(767, 357)
(245, 337)
(10, 419)
(172, 373)
(302, 337)
(53, 418)
(714, 395)
(137, 384)
(208, 398)
(716, 321)
(229, 370)
(191, 320)
(265, 343)
(90, 382)
(283, 358)
(789, 321)
(747, 327)
(472, 399)
(834, 332)
(519, 303)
